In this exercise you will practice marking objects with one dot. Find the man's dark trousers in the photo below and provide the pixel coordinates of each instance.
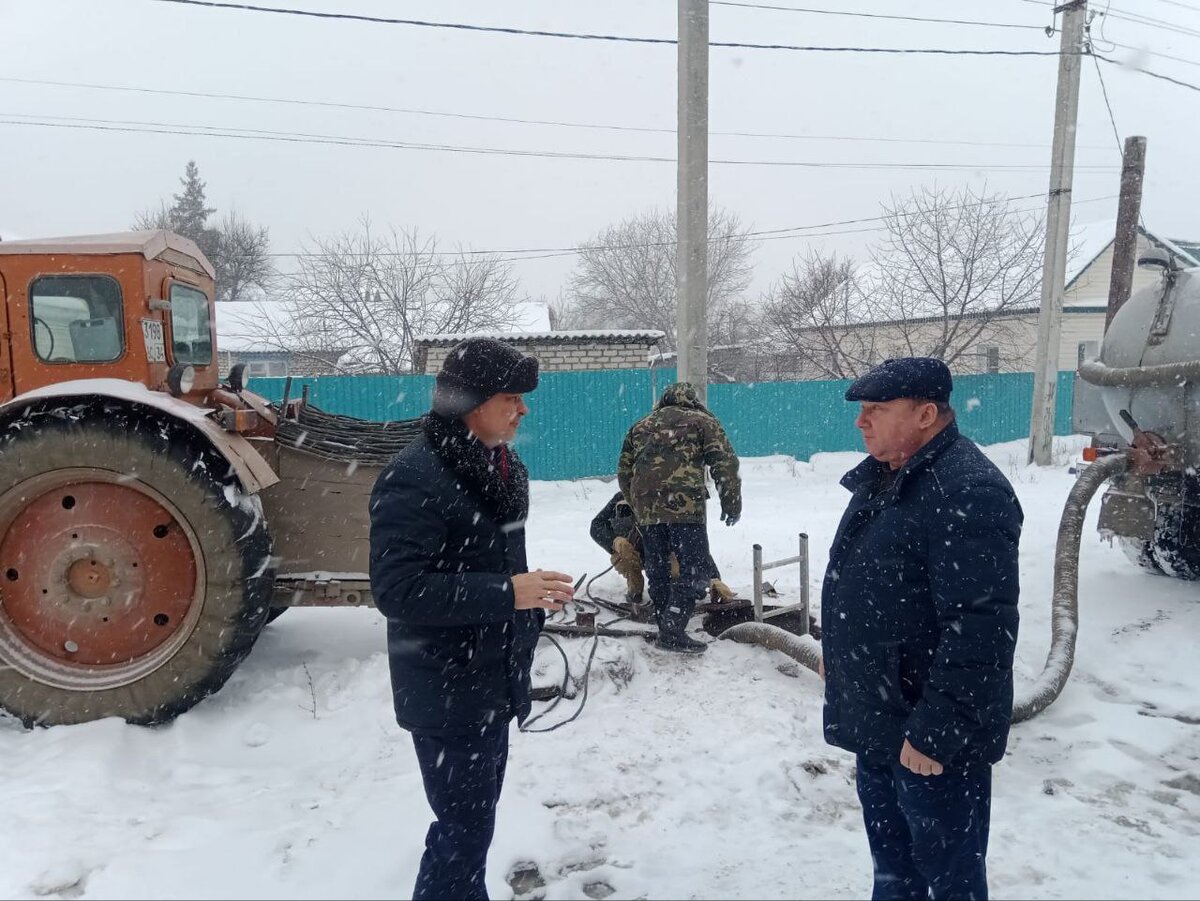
(689, 542)
(928, 834)
(463, 774)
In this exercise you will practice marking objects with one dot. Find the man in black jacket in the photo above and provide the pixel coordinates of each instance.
(919, 625)
(448, 570)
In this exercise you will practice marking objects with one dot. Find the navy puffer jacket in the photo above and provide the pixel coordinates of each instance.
(443, 550)
(919, 608)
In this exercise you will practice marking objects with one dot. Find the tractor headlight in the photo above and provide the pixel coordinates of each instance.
(180, 379)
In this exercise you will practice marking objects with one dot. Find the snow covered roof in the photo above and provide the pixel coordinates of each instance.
(246, 326)
(608, 336)
(1089, 241)
(534, 316)
(150, 244)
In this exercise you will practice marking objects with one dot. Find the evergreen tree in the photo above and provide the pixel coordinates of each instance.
(189, 215)
(238, 250)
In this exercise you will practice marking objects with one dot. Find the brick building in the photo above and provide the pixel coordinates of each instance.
(566, 351)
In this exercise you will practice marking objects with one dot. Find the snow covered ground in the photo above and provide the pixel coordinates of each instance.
(703, 778)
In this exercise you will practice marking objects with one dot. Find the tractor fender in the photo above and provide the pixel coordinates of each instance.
(252, 470)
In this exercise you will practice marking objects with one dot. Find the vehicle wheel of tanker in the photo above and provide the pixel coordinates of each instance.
(134, 576)
(1139, 552)
(1176, 546)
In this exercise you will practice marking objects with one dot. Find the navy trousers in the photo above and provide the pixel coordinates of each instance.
(689, 542)
(463, 775)
(928, 834)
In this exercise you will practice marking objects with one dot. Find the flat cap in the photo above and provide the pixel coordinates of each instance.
(921, 378)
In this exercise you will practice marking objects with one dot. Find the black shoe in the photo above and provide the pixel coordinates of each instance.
(680, 644)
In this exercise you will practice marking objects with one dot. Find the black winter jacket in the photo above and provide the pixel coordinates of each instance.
(919, 608)
(616, 521)
(447, 533)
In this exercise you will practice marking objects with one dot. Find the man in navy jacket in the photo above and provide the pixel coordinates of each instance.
(448, 570)
(919, 625)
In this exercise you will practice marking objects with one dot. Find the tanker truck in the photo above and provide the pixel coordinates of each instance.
(1140, 403)
(1141, 399)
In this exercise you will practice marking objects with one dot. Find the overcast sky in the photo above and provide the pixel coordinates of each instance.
(68, 180)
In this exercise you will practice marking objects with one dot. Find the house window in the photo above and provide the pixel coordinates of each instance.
(1088, 350)
(77, 318)
(989, 358)
(266, 368)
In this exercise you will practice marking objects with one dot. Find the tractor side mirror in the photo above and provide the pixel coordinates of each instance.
(237, 377)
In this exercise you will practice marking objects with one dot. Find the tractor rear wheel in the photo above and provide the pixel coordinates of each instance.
(134, 574)
(1176, 545)
(1139, 551)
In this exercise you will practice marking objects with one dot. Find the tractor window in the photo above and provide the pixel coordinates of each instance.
(77, 319)
(191, 337)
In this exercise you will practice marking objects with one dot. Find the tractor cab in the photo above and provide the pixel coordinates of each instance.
(134, 306)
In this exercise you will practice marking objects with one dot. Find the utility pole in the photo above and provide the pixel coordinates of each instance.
(1133, 171)
(1058, 220)
(691, 222)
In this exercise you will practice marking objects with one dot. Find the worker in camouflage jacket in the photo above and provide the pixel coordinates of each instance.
(661, 473)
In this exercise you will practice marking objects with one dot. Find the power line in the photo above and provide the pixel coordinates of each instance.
(755, 236)
(1136, 19)
(170, 128)
(1108, 105)
(1177, 59)
(513, 120)
(497, 29)
(862, 15)
(770, 234)
(1176, 3)
(1150, 22)
(670, 41)
(1118, 63)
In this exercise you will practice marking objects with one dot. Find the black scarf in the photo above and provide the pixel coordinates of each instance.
(481, 469)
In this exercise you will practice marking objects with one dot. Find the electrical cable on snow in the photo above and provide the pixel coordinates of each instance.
(587, 669)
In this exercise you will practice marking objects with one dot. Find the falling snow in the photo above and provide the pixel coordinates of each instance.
(682, 778)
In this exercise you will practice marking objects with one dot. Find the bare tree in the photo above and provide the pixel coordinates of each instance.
(242, 258)
(564, 314)
(238, 251)
(153, 220)
(371, 295)
(626, 275)
(815, 320)
(953, 267)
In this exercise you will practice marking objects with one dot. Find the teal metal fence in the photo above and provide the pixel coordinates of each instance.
(578, 419)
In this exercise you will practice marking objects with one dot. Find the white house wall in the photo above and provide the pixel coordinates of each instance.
(1091, 288)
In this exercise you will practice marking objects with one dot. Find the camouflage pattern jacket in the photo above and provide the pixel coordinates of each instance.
(661, 470)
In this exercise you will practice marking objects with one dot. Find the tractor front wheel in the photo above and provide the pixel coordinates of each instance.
(134, 575)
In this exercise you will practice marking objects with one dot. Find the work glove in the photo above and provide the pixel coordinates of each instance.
(625, 554)
(730, 518)
(721, 591)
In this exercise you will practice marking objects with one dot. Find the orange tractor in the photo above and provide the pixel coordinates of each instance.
(152, 519)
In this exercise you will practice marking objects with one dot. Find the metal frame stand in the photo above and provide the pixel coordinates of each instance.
(760, 567)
